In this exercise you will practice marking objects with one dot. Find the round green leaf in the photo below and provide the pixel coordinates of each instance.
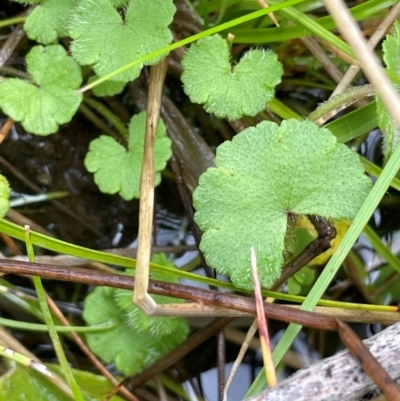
(116, 169)
(264, 174)
(138, 340)
(48, 21)
(143, 30)
(227, 91)
(4, 196)
(107, 88)
(52, 100)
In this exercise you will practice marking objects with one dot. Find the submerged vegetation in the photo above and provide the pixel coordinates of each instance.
(275, 93)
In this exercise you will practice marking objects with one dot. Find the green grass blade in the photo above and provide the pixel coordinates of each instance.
(354, 124)
(23, 200)
(12, 21)
(50, 325)
(270, 35)
(381, 248)
(283, 111)
(25, 361)
(60, 329)
(376, 171)
(58, 246)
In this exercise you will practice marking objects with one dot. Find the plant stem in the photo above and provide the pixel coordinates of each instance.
(51, 328)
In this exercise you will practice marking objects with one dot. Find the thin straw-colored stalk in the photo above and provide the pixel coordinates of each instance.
(371, 66)
(373, 41)
(262, 324)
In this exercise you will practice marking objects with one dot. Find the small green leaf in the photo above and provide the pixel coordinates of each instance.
(142, 30)
(95, 387)
(48, 21)
(391, 55)
(138, 340)
(107, 88)
(385, 290)
(228, 91)
(301, 282)
(305, 276)
(117, 169)
(262, 175)
(294, 287)
(4, 196)
(33, 385)
(52, 99)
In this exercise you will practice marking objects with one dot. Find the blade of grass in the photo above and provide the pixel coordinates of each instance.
(109, 116)
(24, 360)
(381, 248)
(60, 329)
(268, 35)
(23, 200)
(360, 221)
(376, 171)
(354, 124)
(281, 110)
(12, 21)
(86, 253)
(51, 328)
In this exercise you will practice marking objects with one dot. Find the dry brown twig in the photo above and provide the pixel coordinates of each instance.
(339, 377)
(262, 324)
(370, 64)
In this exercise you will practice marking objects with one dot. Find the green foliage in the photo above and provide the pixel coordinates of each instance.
(391, 56)
(4, 196)
(107, 88)
(51, 99)
(21, 383)
(48, 21)
(142, 30)
(117, 169)
(95, 387)
(227, 91)
(262, 175)
(300, 283)
(139, 339)
(383, 285)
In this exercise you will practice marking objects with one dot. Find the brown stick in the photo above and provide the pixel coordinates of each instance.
(368, 362)
(326, 232)
(339, 377)
(207, 297)
(146, 207)
(194, 294)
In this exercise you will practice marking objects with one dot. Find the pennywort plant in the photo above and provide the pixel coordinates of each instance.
(264, 177)
(152, 336)
(267, 174)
